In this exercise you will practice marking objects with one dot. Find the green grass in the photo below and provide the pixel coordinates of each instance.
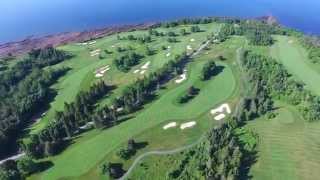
(294, 57)
(289, 147)
(83, 65)
(102, 144)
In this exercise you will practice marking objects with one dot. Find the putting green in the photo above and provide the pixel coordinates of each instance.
(294, 57)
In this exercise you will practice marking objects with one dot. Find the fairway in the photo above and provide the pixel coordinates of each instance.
(290, 53)
(288, 147)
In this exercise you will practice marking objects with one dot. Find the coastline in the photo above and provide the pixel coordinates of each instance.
(26, 45)
(17, 48)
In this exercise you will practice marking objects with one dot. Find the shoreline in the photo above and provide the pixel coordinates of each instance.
(21, 47)
(17, 48)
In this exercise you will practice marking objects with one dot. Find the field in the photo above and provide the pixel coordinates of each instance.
(288, 146)
(294, 57)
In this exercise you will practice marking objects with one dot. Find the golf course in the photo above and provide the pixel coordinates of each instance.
(211, 98)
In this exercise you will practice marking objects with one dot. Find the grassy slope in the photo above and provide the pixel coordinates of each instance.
(288, 147)
(83, 65)
(295, 59)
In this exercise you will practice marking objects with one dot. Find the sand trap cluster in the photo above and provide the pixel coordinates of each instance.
(100, 72)
(182, 126)
(170, 125)
(95, 52)
(143, 68)
(219, 113)
(182, 77)
(189, 47)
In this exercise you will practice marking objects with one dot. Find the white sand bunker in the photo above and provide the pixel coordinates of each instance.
(92, 42)
(170, 125)
(168, 54)
(95, 52)
(221, 110)
(143, 71)
(100, 72)
(290, 42)
(143, 68)
(169, 47)
(146, 65)
(189, 47)
(136, 71)
(188, 125)
(182, 77)
(192, 40)
(219, 117)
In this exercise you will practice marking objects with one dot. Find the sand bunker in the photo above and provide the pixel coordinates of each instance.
(189, 47)
(169, 47)
(290, 42)
(100, 72)
(143, 71)
(182, 77)
(91, 43)
(219, 117)
(146, 65)
(87, 126)
(168, 54)
(187, 125)
(192, 40)
(221, 110)
(170, 125)
(95, 52)
(136, 71)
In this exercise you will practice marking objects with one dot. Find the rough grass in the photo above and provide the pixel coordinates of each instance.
(294, 57)
(288, 146)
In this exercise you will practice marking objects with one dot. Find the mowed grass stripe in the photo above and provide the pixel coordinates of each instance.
(292, 55)
(286, 150)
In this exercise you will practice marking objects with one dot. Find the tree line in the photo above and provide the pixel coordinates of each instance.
(24, 89)
(273, 79)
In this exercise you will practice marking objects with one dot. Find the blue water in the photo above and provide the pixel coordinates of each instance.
(22, 18)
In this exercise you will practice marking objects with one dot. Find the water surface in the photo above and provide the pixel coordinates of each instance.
(22, 18)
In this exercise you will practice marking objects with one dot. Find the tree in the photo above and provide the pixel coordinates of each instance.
(183, 32)
(195, 29)
(27, 166)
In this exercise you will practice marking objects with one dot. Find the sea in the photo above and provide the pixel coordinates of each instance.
(20, 19)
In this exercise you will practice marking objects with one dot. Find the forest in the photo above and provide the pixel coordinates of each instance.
(24, 89)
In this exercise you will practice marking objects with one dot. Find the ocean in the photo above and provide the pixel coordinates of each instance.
(20, 19)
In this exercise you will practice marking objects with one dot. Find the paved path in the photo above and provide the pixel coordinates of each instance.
(159, 152)
(15, 157)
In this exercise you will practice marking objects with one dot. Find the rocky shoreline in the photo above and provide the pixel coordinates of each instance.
(24, 46)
